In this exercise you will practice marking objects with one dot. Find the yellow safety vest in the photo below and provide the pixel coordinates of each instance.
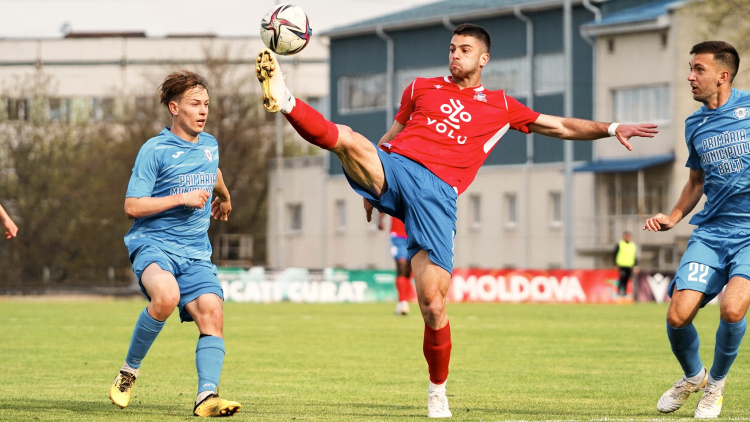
(625, 254)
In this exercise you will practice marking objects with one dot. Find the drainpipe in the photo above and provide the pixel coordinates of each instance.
(568, 145)
(389, 64)
(530, 137)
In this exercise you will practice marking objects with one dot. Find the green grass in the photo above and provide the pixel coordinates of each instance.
(355, 362)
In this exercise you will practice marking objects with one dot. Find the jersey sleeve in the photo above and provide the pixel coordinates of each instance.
(519, 115)
(145, 171)
(407, 105)
(693, 160)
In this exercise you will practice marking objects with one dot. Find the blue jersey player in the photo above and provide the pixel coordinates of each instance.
(168, 195)
(718, 253)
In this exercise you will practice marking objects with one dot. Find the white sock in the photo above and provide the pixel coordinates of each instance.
(698, 378)
(130, 369)
(720, 382)
(437, 388)
(288, 103)
(202, 396)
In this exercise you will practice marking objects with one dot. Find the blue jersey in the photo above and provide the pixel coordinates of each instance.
(718, 144)
(167, 165)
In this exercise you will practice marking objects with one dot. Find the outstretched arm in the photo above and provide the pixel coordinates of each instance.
(11, 230)
(689, 198)
(587, 130)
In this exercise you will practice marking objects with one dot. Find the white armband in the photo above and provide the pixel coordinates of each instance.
(612, 129)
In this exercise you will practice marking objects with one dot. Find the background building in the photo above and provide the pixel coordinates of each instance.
(514, 214)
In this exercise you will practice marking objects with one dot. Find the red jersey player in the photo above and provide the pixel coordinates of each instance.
(441, 135)
(400, 254)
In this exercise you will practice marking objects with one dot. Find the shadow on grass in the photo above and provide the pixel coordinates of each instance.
(42, 409)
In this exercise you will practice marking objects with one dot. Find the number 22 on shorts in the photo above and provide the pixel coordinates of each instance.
(698, 272)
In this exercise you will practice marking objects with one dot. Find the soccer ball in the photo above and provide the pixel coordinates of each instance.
(285, 29)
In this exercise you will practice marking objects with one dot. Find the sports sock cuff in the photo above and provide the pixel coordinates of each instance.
(437, 337)
(312, 126)
(210, 342)
(150, 322)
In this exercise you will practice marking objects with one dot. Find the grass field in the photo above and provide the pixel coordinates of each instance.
(355, 362)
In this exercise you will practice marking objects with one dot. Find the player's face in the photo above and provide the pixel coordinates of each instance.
(704, 77)
(467, 57)
(191, 111)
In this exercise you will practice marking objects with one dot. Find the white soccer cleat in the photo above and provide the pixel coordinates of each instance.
(402, 308)
(673, 398)
(437, 402)
(710, 404)
(271, 80)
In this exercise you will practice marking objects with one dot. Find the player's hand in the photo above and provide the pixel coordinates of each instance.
(195, 198)
(10, 229)
(220, 209)
(624, 132)
(368, 209)
(659, 223)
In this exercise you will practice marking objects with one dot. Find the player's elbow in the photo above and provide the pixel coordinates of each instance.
(130, 209)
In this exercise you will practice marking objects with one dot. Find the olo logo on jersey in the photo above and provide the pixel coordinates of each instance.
(456, 115)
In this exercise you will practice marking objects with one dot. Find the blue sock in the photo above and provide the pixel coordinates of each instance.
(728, 338)
(685, 343)
(209, 358)
(145, 332)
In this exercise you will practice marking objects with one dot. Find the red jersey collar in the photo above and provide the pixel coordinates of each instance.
(450, 81)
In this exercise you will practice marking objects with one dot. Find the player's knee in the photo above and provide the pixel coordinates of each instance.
(678, 319)
(432, 309)
(163, 305)
(732, 312)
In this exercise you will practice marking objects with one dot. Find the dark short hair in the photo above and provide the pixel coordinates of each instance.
(723, 52)
(476, 31)
(177, 83)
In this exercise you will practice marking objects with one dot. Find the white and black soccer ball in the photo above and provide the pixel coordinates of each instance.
(285, 29)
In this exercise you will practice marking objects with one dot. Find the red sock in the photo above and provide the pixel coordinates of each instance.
(402, 287)
(437, 352)
(312, 126)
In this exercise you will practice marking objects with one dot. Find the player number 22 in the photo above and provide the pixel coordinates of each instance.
(698, 272)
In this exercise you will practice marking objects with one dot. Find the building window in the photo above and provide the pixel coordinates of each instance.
(17, 109)
(340, 215)
(476, 210)
(655, 198)
(103, 109)
(295, 217)
(511, 209)
(58, 109)
(549, 77)
(610, 45)
(555, 208)
(362, 93)
(641, 104)
(511, 75)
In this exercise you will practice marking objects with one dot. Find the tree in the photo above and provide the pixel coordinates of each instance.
(64, 182)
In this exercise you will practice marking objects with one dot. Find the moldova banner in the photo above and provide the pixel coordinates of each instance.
(468, 285)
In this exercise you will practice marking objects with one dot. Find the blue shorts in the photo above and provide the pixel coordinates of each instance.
(398, 248)
(714, 255)
(195, 277)
(426, 205)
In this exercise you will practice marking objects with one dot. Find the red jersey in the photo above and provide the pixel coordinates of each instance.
(451, 131)
(397, 228)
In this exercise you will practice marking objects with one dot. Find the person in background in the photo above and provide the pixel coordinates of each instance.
(625, 260)
(403, 266)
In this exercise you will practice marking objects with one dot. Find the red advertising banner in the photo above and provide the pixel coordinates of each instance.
(553, 286)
